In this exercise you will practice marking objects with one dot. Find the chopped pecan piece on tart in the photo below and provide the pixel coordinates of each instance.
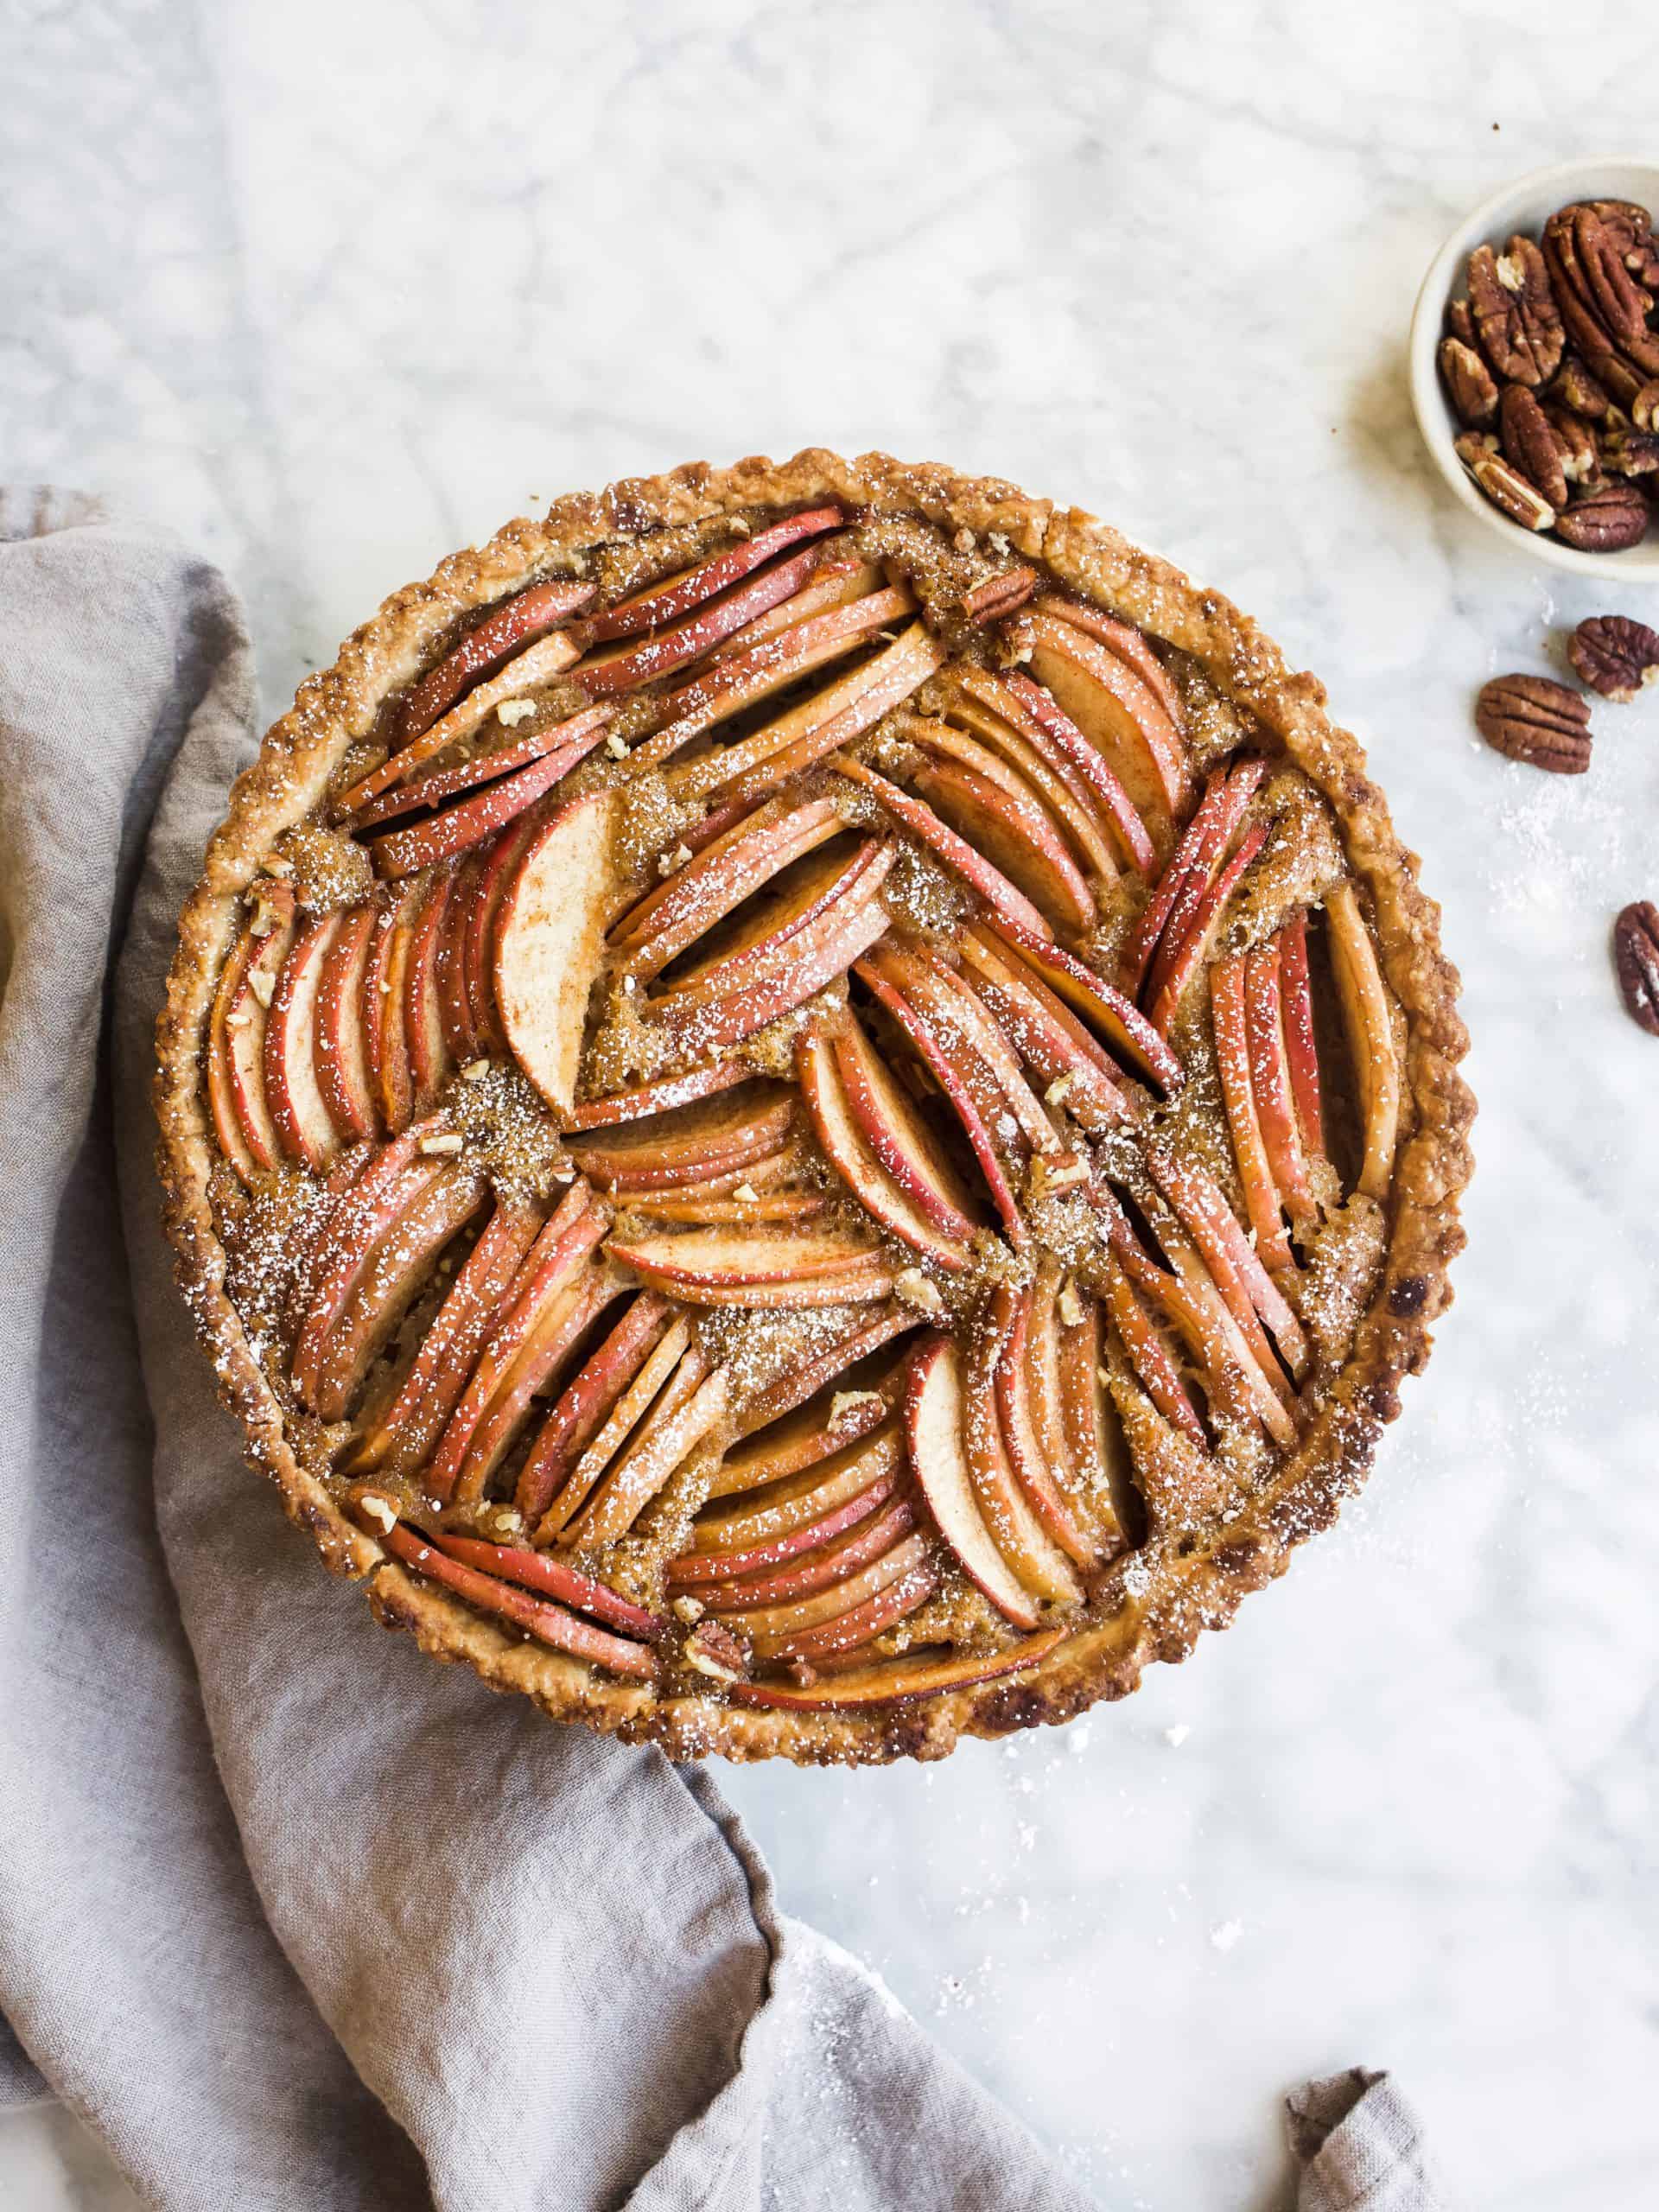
(810, 1108)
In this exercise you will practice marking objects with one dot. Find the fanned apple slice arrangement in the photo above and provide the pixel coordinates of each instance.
(807, 1113)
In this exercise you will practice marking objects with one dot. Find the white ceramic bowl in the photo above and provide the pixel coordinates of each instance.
(1526, 205)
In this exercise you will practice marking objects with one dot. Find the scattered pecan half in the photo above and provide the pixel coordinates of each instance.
(1515, 312)
(1529, 718)
(1529, 443)
(1459, 323)
(1604, 521)
(1623, 381)
(1575, 387)
(1631, 452)
(713, 1649)
(1469, 383)
(1645, 408)
(1614, 655)
(1576, 441)
(1507, 489)
(1635, 956)
(999, 596)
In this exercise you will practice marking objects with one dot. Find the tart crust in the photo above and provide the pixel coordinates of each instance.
(1177, 1585)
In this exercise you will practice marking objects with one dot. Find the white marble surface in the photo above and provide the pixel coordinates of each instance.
(332, 288)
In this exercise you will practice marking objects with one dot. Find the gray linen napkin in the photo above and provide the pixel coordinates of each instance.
(289, 1914)
(1359, 2146)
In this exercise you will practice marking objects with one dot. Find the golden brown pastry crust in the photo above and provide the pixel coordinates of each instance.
(1176, 1587)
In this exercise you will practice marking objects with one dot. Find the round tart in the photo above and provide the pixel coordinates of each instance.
(811, 1107)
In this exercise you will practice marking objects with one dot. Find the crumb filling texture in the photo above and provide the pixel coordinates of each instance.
(805, 1114)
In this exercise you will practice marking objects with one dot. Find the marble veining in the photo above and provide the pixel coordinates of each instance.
(332, 289)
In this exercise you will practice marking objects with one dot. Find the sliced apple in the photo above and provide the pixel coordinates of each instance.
(1234, 1377)
(1003, 897)
(855, 1161)
(848, 1613)
(806, 1377)
(778, 1268)
(1115, 706)
(665, 601)
(500, 864)
(549, 941)
(470, 822)
(221, 1081)
(1270, 1081)
(1013, 832)
(901, 1679)
(1151, 1357)
(839, 578)
(767, 667)
(1125, 1028)
(1039, 1470)
(1096, 1450)
(965, 1035)
(1018, 1534)
(364, 1209)
(1191, 866)
(384, 1002)
(588, 1400)
(1044, 1032)
(455, 999)
(398, 1270)
(828, 1566)
(423, 1025)
(636, 1478)
(548, 1623)
(400, 1435)
(713, 1212)
(566, 1317)
(707, 1136)
(1088, 763)
(1227, 1003)
(935, 1426)
(439, 785)
(341, 1047)
(651, 1383)
(1369, 1026)
(504, 630)
(936, 1056)
(1300, 1044)
(1169, 984)
(750, 1530)
(800, 1440)
(553, 1577)
(659, 1097)
(800, 1548)
(758, 935)
(1251, 1295)
(718, 879)
(1024, 748)
(810, 732)
(604, 674)
(292, 1091)
(899, 1136)
(245, 1022)
(1036, 812)
(1127, 643)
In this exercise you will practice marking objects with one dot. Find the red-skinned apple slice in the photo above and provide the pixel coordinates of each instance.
(1046, 1033)
(712, 1574)
(399, 1438)
(221, 1085)
(797, 969)
(1127, 642)
(1203, 891)
(1168, 984)
(967, 1035)
(839, 578)
(384, 1001)
(1297, 992)
(387, 1183)
(934, 1425)
(773, 1174)
(567, 1316)
(850, 1612)
(899, 1137)
(801, 1439)
(629, 1486)
(1126, 1029)
(828, 1566)
(1227, 1004)
(709, 1214)
(398, 1270)
(588, 1400)
(548, 1623)
(760, 669)
(245, 1022)
(1095, 1448)
(900, 1679)
(549, 941)
(1039, 1474)
(651, 1387)
(855, 1162)
(423, 1025)
(750, 1531)
(1004, 898)
(1015, 832)
(805, 1379)
(454, 1001)
(659, 1097)
(1150, 1358)
(1023, 748)
(756, 943)
(1233, 1374)
(604, 674)
(665, 601)
(553, 1261)
(552, 1577)
(718, 879)
(505, 630)
(1270, 1081)
(778, 1267)
(1015, 1529)
(1369, 1025)
(344, 1075)
(810, 732)
(921, 1035)
(501, 862)
(1115, 706)
(438, 785)
(292, 1091)
(1250, 1293)
(1206, 836)
(706, 1137)
(473, 820)
(1088, 763)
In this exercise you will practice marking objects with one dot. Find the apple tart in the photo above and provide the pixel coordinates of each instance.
(811, 1107)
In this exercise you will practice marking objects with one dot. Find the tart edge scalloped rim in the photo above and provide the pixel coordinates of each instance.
(1187, 1593)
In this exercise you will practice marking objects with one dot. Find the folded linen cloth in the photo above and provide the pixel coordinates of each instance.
(290, 1916)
